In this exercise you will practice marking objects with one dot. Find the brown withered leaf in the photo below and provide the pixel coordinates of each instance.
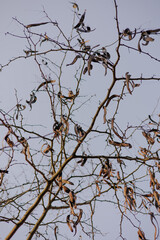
(155, 232)
(85, 70)
(156, 197)
(152, 178)
(118, 176)
(74, 60)
(118, 144)
(65, 121)
(129, 199)
(71, 196)
(98, 188)
(68, 223)
(55, 231)
(47, 148)
(9, 142)
(148, 137)
(81, 20)
(143, 152)
(104, 114)
(36, 24)
(114, 130)
(66, 189)
(127, 75)
(28, 152)
(67, 182)
(75, 5)
(45, 83)
(91, 57)
(79, 217)
(105, 65)
(141, 235)
(139, 45)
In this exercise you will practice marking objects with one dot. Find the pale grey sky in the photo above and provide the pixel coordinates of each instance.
(24, 75)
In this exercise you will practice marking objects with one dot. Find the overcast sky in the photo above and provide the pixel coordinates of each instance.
(24, 76)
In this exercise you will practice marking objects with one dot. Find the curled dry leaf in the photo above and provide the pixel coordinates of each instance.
(118, 144)
(105, 65)
(118, 176)
(98, 188)
(144, 152)
(28, 152)
(57, 128)
(104, 114)
(32, 100)
(152, 178)
(157, 202)
(75, 6)
(91, 57)
(106, 170)
(66, 189)
(65, 121)
(74, 60)
(69, 223)
(79, 131)
(81, 20)
(128, 33)
(141, 235)
(79, 217)
(36, 24)
(45, 83)
(67, 182)
(129, 199)
(128, 81)
(114, 130)
(148, 137)
(47, 148)
(7, 139)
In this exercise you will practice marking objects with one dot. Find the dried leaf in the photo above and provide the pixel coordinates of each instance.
(104, 115)
(127, 82)
(32, 100)
(67, 190)
(71, 196)
(68, 223)
(118, 144)
(141, 235)
(118, 176)
(148, 39)
(148, 137)
(91, 57)
(98, 188)
(36, 24)
(75, 5)
(114, 130)
(155, 233)
(105, 65)
(67, 182)
(74, 60)
(139, 46)
(79, 217)
(7, 139)
(81, 20)
(65, 121)
(28, 152)
(45, 83)
(85, 70)
(47, 149)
